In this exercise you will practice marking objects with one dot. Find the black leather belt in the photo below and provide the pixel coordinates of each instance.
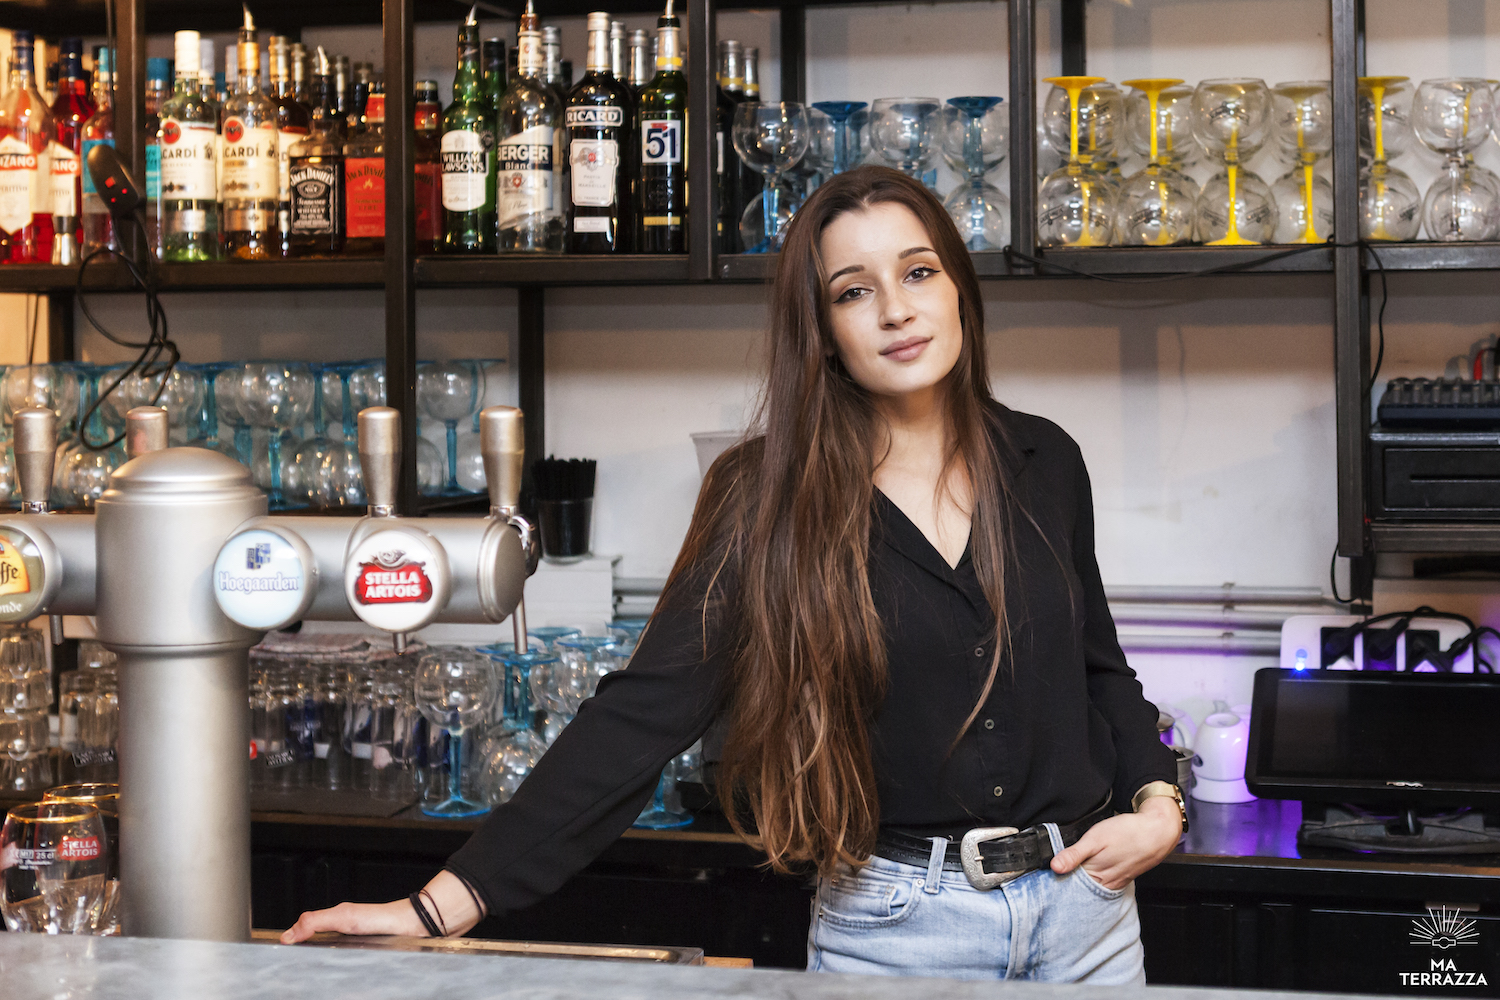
(989, 856)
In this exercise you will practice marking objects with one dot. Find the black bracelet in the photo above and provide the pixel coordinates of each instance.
(423, 915)
(478, 903)
(437, 913)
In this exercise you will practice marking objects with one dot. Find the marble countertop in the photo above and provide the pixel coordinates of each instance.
(38, 967)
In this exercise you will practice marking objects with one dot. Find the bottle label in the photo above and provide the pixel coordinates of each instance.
(18, 183)
(661, 141)
(719, 157)
(428, 189)
(314, 197)
(284, 141)
(153, 172)
(364, 197)
(466, 166)
(88, 178)
(524, 185)
(188, 161)
(595, 163)
(250, 161)
(591, 224)
(65, 164)
(595, 116)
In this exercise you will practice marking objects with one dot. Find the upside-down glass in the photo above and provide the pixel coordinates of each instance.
(1231, 121)
(558, 687)
(514, 747)
(845, 137)
(276, 396)
(770, 138)
(54, 386)
(1390, 205)
(1156, 204)
(975, 141)
(55, 867)
(906, 133)
(455, 688)
(450, 391)
(1452, 116)
(1303, 115)
(104, 796)
(1075, 203)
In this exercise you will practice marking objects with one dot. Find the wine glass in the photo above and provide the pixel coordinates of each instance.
(450, 391)
(1075, 203)
(1156, 203)
(1390, 205)
(276, 396)
(515, 748)
(906, 132)
(455, 688)
(229, 393)
(55, 866)
(770, 138)
(54, 386)
(664, 811)
(1452, 116)
(104, 796)
(1303, 113)
(845, 134)
(559, 687)
(975, 140)
(340, 477)
(595, 655)
(1231, 121)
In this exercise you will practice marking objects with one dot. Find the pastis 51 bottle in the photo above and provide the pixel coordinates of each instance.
(529, 151)
(598, 120)
(661, 193)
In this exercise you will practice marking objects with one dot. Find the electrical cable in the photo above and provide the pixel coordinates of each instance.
(1379, 320)
(1333, 582)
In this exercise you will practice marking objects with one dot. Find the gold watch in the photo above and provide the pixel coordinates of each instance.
(1154, 788)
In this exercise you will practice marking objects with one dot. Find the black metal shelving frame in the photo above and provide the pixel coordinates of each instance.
(401, 273)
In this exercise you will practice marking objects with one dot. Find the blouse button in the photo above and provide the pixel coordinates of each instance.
(999, 791)
(979, 651)
(989, 723)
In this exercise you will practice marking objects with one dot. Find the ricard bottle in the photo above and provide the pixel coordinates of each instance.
(251, 161)
(661, 123)
(468, 153)
(364, 182)
(529, 200)
(26, 132)
(71, 108)
(189, 160)
(99, 130)
(316, 173)
(598, 122)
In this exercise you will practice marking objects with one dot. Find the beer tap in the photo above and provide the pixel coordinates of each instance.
(502, 445)
(34, 435)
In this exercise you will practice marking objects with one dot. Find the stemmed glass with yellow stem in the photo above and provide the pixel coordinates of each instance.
(1156, 203)
(1390, 204)
(1303, 113)
(1075, 204)
(1231, 121)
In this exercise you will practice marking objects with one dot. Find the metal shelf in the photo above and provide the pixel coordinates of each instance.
(1387, 536)
(762, 266)
(216, 276)
(1187, 260)
(552, 269)
(1436, 257)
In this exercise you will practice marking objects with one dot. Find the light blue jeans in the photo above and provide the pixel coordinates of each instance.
(894, 919)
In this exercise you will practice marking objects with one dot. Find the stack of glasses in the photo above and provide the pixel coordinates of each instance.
(88, 708)
(25, 696)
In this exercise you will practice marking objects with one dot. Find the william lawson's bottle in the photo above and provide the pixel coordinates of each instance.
(189, 160)
(468, 151)
(598, 120)
(251, 169)
(726, 163)
(26, 133)
(661, 116)
(315, 170)
(530, 199)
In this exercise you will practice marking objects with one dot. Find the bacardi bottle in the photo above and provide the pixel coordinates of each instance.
(26, 132)
(364, 183)
(99, 130)
(428, 182)
(69, 111)
(468, 152)
(158, 89)
(661, 120)
(293, 121)
(530, 201)
(726, 163)
(642, 67)
(316, 168)
(251, 164)
(189, 160)
(598, 121)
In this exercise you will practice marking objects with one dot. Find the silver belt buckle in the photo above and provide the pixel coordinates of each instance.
(973, 862)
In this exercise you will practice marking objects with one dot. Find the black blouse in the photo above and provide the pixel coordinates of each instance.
(1065, 723)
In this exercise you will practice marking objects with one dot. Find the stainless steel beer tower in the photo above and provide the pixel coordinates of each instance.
(185, 572)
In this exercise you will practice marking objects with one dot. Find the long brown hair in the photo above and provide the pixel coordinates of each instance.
(788, 516)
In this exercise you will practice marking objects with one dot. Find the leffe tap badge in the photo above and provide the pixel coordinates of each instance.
(397, 579)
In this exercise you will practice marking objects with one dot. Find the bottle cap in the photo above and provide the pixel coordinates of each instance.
(599, 21)
(158, 68)
(188, 47)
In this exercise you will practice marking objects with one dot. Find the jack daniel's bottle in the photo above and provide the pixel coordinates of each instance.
(530, 199)
(316, 173)
(598, 118)
(661, 193)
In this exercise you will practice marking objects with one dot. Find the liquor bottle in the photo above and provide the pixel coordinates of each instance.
(26, 133)
(598, 117)
(641, 63)
(428, 163)
(364, 182)
(496, 74)
(619, 53)
(49, 89)
(189, 159)
(661, 121)
(342, 98)
(552, 63)
(468, 151)
(69, 111)
(158, 89)
(363, 73)
(297, 55)
(251, 165)
(530, 195)
(99, 130)
(316, 168)
(752, 73)
(726, 163)
(293, 121)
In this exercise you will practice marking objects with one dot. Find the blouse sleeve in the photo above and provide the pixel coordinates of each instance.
(1140, 756)
(600, 772)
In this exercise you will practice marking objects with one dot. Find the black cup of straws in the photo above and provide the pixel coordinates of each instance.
(565, 506)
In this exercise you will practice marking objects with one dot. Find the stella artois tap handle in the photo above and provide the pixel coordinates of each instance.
(35, 440)
(380, 457)
(145, 430)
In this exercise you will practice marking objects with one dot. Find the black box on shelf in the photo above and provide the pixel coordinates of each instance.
(1435, 475)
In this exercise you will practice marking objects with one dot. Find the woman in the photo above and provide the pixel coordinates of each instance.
(891, 603)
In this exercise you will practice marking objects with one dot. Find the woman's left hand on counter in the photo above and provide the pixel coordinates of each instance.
(1116, 850)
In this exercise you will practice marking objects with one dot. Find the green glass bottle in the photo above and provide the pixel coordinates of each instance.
(661, 122)
(468, 151)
